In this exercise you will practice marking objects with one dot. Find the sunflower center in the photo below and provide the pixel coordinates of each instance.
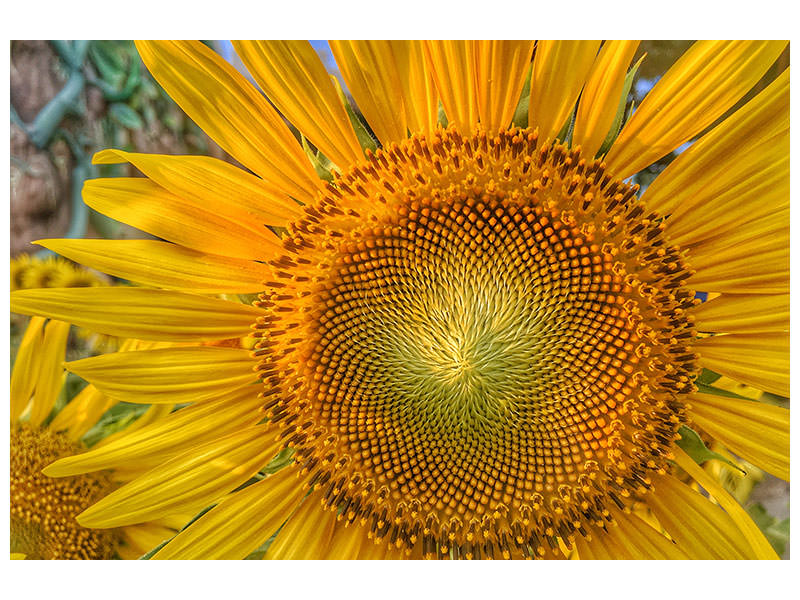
(43, 509)
(475, 343)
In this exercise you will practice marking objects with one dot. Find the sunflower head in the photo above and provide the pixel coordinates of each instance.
(43, 509)
(480, 341)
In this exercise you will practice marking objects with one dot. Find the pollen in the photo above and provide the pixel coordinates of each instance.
(43, 509)
(476, 345)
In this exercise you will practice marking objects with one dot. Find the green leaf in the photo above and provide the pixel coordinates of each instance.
(521, 114)
(776, 532)
(365, 139)
(621, 118)
(281, 460)
(691, 443)
(125, 116)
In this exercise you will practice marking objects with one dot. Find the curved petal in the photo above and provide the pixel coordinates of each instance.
(210, 183)
(560, 69)
(144, 204)
(756, 431)
(754, 313)
(760, 360)
(51, 374)
(370, 71)
(240, 523)
(191, 481)
(81, 414)
(704, 83)
(452, 64)
(306, 535)
(752, 258)
(171, 435)
(168, 375)
(420, 96)
(140, 313)
(295, 80)
(701, 528)
(759, 544)
(501, 66)
(161, 264)
(230, 110)
(25, 373)
(719, 173)
(601, 93)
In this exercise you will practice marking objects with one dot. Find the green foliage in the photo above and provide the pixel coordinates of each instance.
(691, 443)
(116, 418)
(776, 532)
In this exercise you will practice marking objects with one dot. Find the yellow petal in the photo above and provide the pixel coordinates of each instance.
(172, 435)
(51, 374)
(191, 481)
(26, 367)
(452, 65)
(141, 539)
(731, 313)
(651, 544)
(82, 413)
(721, 174)
(701, 528)
(349, 543)
(629, 538)
(501, 66)
(230, 110)
(240, 523)
(759, 544)
(140, 313)
(210, 182)
(143, 204)
(307, 534)
(420, 97)
(560, 69)
(760, 360)
(756, 431)
(601, 94)
(295, 80)
(168, 375)
(704, 83)
(161, 264)
(752, 258)
(151, 415)
(369, 69)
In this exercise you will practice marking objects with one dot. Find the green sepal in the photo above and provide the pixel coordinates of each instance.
(521, 113)
(715, 391)
(707, 377)
(776, 532)
(441, 116)
(363, 135)
(691, 443)
(622, 115)
(322, 165)
(125, 116)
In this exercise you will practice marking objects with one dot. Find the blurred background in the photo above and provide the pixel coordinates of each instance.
(70, 99)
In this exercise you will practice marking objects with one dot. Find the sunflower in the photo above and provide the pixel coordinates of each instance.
(43, 509)
(478, 340)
